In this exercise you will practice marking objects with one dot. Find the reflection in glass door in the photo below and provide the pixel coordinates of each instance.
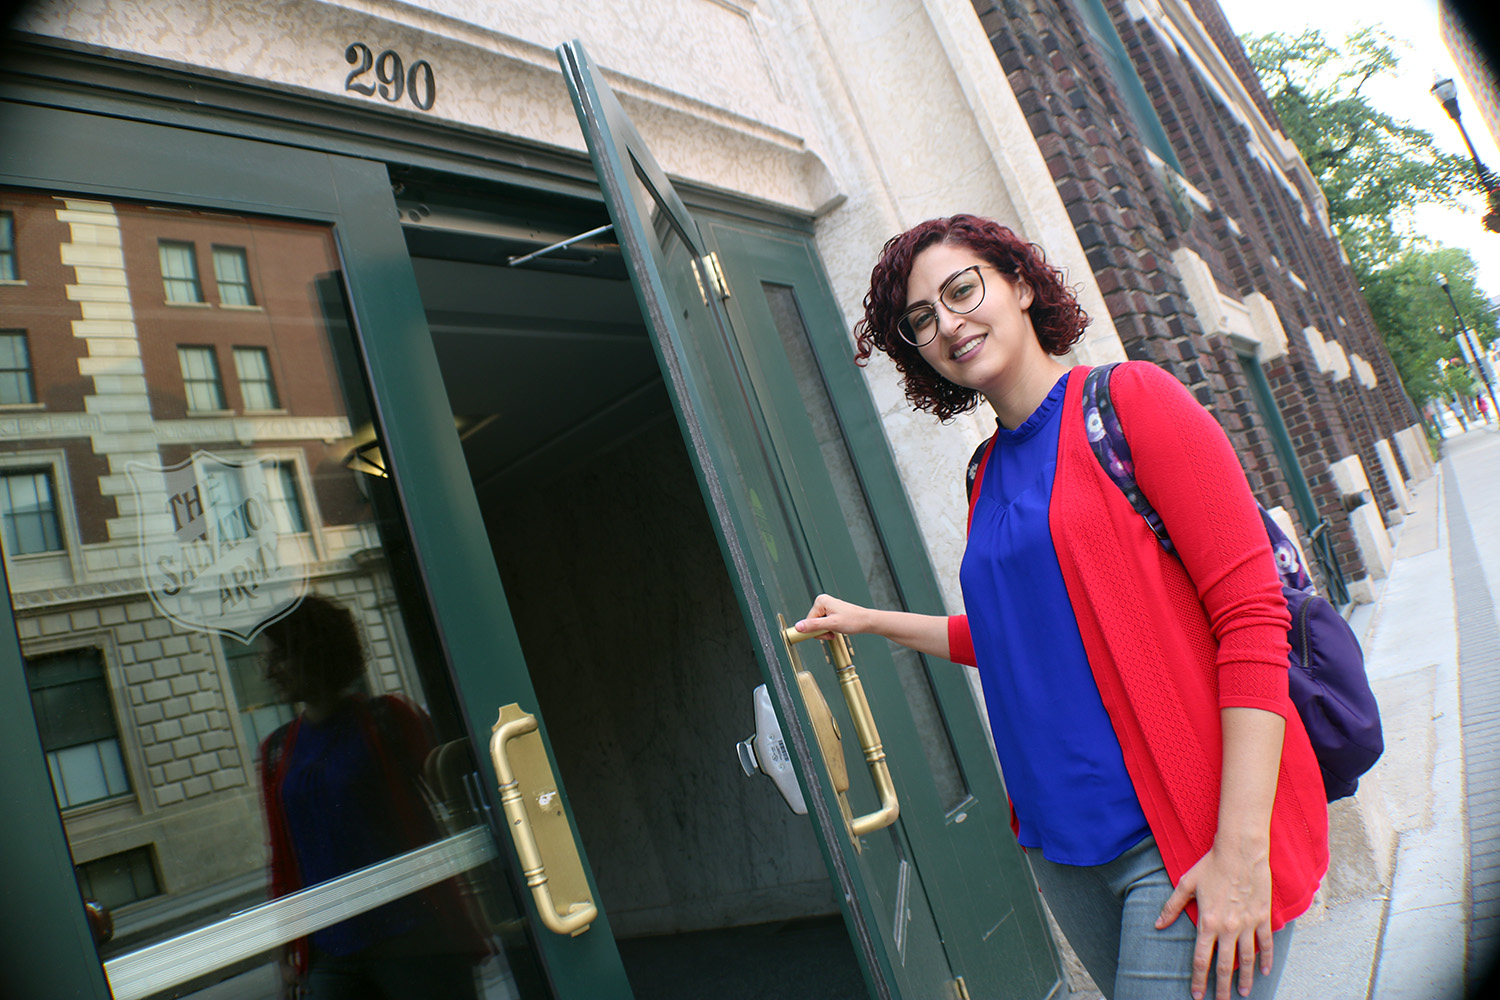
(236, 687)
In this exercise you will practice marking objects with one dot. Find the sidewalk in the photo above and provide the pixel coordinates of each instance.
(1403, 906)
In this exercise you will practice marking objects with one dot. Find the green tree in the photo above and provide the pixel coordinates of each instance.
(1373, 168)
(1414, 316)
(1458, 382)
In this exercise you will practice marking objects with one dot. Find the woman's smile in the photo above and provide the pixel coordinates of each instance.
(994, 329)
(966, 347)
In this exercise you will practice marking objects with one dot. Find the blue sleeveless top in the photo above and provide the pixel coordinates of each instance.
(1061, 759)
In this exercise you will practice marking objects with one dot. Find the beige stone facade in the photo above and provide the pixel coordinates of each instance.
(816, 106)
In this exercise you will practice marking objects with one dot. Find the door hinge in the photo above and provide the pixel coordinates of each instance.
(716, 275)
(960, 989)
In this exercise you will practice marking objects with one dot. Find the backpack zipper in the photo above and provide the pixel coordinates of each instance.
(1302, 616)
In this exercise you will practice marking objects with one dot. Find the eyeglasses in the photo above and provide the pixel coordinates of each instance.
(961, 294)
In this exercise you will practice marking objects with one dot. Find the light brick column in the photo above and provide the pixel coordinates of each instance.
(119, 400)
(181, 717)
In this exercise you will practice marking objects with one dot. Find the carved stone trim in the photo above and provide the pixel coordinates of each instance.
(252, 429)
(35, 426)
(133, 585)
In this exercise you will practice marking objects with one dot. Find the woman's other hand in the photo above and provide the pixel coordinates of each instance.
(1232, 882)
(1233, 890)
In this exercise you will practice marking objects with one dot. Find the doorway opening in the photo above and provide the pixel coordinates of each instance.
(629, 621)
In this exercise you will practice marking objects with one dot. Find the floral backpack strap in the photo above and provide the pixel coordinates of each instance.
(1288, 561)
(974, 475)
(1107, 438)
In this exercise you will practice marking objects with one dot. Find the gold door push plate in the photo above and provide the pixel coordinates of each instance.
(538, 825)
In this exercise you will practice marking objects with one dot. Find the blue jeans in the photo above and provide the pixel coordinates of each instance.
(1108, 914)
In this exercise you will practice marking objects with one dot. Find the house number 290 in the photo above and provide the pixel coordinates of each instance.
(393, 78)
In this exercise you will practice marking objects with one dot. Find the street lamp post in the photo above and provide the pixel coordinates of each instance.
(1446, 93)
(1474, 355)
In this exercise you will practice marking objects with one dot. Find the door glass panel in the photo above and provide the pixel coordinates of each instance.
(937, 744)
(236, 684)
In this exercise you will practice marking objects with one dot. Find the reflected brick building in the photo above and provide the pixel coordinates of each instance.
(139, 337)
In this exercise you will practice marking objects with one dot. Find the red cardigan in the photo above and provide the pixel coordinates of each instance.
(1171, 642)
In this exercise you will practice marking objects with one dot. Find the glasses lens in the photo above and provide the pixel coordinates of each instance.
(964, 291)
(918, 326)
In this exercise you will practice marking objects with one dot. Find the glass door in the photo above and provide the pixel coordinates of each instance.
(253, 646)
(881, 816)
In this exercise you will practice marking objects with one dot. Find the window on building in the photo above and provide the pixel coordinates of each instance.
(262, 710)
(179, 272)
(28, 513)
(201, 385)
(286, 498)
(77, 725)
(15, 368)
(257, 387)
(224, 490)
(119, 879)
(227, 486)
(1132, 92)
(8, 269)
(232, 272)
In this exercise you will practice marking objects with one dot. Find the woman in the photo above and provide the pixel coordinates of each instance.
(342, 791)
(1157, 771)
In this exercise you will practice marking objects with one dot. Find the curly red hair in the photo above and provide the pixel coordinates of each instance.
(1056, 316)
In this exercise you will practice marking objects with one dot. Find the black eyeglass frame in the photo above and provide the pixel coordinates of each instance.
(902, 326)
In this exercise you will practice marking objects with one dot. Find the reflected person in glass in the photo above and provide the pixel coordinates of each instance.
(341, 787)
(1158, 775)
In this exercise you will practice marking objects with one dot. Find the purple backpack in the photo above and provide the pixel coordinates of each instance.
(1327, 668)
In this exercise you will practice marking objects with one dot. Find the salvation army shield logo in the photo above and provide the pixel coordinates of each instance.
(217, 552)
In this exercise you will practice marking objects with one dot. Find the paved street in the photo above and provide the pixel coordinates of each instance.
(1410, 906)
(1477, 475)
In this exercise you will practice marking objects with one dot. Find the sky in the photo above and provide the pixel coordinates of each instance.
(1403, 96)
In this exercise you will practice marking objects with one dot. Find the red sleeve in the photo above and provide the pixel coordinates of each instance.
(960, 642)
(1187, 468)
(282, 866)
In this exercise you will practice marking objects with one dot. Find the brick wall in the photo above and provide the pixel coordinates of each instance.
(1260, 232)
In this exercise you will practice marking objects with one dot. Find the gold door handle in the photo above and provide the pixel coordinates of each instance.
(864, 727)
(538, 810)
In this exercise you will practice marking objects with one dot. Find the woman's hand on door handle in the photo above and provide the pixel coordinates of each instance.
(924, 633)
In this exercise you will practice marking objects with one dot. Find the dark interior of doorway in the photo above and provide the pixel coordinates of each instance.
(628, 620)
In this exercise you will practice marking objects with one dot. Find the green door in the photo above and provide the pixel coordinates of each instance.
(938, 901)
(230, 482)
(828, 428)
